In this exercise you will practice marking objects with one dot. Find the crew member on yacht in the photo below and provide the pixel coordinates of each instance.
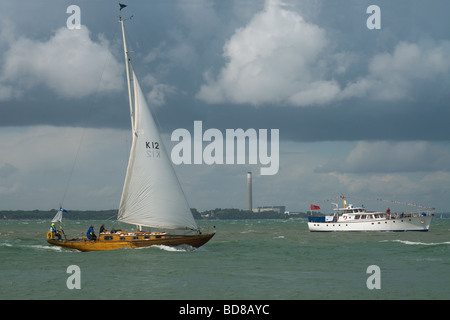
(56, 231)
(90, 233)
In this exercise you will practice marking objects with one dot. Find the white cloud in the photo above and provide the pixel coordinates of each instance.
(279, 57)
(36, 163)
(70, 63)
(297, 184)
(391, 76)
(276, 57)
(388, 157)
(157, 96)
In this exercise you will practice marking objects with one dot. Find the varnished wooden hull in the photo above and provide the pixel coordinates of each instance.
(137, 240)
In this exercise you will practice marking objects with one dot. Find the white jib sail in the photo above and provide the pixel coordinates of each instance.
(152, 195)
(58, 216)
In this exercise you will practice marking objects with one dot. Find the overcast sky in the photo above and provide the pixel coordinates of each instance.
(360, 111)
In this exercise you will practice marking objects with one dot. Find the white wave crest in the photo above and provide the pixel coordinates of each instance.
(418, 243)
(180, 248)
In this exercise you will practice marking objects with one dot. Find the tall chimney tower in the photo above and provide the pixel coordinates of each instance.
(249, 191)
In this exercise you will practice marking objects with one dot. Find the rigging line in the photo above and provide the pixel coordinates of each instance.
(108, 53)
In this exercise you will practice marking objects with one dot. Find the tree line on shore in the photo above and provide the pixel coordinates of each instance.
(217, 213)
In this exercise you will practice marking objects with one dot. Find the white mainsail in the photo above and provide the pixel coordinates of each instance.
(152, 195)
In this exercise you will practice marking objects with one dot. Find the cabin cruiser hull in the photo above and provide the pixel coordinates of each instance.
(414, 223)
(108, 241)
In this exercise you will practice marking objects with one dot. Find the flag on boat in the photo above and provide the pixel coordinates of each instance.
(315, 207)
(122, 6)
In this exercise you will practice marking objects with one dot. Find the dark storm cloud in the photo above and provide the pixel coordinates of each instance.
(374, 102)
(176, 44)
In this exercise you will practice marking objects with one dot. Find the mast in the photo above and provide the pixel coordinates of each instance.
(129, 77)
(343, 201)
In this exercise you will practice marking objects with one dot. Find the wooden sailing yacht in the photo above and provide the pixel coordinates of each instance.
(152, 195)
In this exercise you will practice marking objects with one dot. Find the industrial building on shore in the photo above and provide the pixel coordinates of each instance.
(277, 209)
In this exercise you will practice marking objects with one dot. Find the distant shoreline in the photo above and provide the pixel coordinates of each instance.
(49, 214)
(215, 214)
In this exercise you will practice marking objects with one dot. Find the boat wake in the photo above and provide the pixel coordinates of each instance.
(418, 243)
(31, 246)
(180, 248)
(49, 248)
(5, 244)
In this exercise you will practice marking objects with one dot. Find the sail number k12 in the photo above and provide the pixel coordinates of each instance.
(152, 149)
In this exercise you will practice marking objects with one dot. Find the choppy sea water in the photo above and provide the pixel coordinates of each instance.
(246, 259)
